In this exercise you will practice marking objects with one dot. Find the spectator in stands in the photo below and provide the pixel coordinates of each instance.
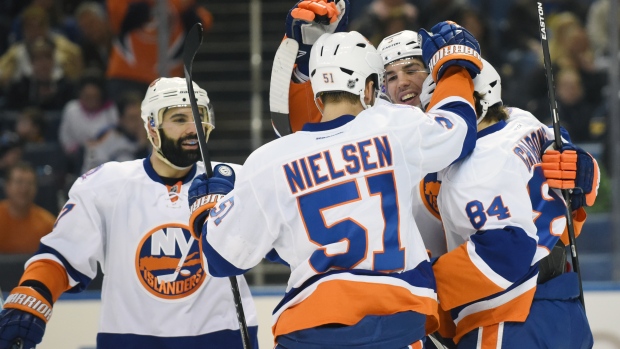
(59, 22)
(45, 85)
(86, 119)
(132, 126)
(96, 35)
(134, 60)
(386, 17)
(598, 31)
(16, 62)
(11, 151)
(436, 11)
(575, 110)
(23, 222)
(30, 125)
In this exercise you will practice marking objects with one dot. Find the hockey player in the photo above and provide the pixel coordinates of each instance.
(502, 218)
(333, 200)
(131, 218)
(405, 72)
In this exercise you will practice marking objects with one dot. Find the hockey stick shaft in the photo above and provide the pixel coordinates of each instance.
(191, 46)
(558, 143)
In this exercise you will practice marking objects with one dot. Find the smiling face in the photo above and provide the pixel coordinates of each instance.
(179, 140)
(404, 79)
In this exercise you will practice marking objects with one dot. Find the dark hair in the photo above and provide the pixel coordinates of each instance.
(343, 96)
(129, 98)
(36, 117)
(9, 140)
(496, 112)
(96, 80)
(21, 166)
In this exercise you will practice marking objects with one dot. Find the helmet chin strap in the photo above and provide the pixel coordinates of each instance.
(485, 107)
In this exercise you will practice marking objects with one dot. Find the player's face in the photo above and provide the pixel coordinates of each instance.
(21, 187)
(404, 79)
(179, 141)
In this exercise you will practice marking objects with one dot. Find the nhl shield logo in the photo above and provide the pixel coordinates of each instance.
(351, 83)
(169, 263)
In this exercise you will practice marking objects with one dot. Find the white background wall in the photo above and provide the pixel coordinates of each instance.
(74, 322)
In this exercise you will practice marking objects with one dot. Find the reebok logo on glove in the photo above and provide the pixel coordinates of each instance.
(209, 199)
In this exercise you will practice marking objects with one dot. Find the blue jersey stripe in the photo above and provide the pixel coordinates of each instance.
(82, 279)
(220, 339)
(465, 111)
(508, 251)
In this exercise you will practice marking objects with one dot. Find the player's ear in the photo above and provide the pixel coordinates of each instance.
(369, 92)
(153, 134)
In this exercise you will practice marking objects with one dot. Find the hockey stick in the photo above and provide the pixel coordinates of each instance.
(558, 143)
(281, 71)
(190, 47)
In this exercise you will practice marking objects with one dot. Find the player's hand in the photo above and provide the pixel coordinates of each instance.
(572, 168)
(309, 19)
(23, 318)
(450, 44)
(204, 194)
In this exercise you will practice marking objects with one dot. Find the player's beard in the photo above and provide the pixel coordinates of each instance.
(174, 152)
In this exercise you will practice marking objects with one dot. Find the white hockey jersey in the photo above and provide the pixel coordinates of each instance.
(500, 217)
(156, 289)
(335, 201)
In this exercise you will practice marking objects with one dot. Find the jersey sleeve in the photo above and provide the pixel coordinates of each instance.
(497, 221)
(76, 242)
(237, 234)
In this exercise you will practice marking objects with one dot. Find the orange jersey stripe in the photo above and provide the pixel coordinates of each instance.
(302, 108)
(454, 269)
(490, 336)
(579, 218)
(456, 81)
(515, 310)
(347, 302)
(50, 273)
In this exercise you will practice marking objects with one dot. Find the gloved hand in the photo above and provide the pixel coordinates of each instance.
(572, 168)
(309, 19)
(24, 317)
(204, 194)
(450, 44)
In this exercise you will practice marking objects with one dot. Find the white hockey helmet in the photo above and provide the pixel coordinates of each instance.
(343, 62)
(428, 87)
(165, 93)
(488, 84)
(403, 44)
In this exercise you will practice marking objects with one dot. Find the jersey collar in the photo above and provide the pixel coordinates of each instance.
(491, 129)
(150, 171)
(328, 125)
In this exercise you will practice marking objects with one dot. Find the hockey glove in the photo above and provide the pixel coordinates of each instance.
(572, 168)
(450, 44)
(204, 194)
(24, 316)
(308, 20)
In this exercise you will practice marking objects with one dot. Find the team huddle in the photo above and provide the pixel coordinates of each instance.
(413, 208)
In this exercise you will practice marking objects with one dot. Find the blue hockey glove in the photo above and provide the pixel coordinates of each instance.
(572, 168)
(23, 318)
(309, 19)
(450, 44)
(204, 194)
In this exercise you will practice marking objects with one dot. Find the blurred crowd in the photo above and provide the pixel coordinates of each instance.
(73, 74)
(72, 78)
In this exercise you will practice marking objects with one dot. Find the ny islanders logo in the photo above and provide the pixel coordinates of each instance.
(169, 263)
